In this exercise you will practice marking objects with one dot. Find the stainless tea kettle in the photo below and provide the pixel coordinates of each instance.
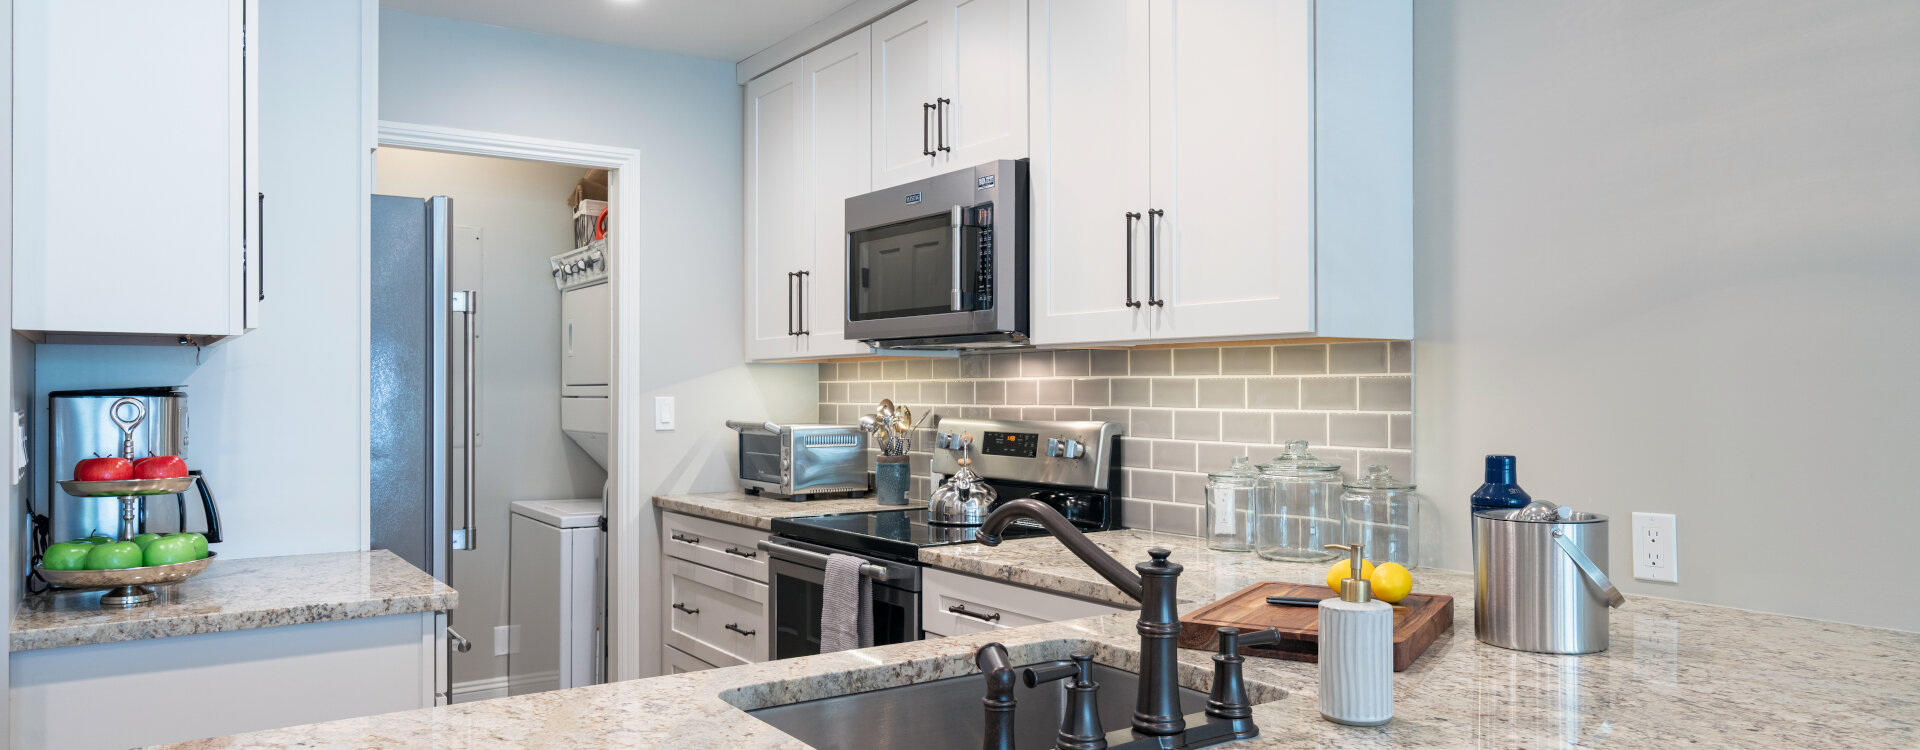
(965, 498)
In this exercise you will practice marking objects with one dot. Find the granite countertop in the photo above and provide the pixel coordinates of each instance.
(741, 509)
(1677, 674)
(258, 592)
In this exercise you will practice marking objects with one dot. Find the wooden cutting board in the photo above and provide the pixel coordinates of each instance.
(1417, 623)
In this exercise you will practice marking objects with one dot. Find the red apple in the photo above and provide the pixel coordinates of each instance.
(160, 467)
(103, 469)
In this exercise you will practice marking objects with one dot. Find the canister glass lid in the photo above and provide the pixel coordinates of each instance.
(1241, 469)
(1297, 461)
(1378, 478)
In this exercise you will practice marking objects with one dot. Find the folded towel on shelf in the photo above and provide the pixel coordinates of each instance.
(846, 606)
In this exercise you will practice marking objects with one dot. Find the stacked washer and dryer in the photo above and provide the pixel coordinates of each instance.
(556, 588)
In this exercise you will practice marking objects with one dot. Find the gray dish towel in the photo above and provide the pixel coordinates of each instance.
(846, 606)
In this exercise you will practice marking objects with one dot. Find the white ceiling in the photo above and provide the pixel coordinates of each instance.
(730, 30)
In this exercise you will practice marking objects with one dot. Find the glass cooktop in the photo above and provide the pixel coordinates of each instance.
(899, 534)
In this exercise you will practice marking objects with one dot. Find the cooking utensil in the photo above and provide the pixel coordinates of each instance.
(1541, 586)
(965, 498)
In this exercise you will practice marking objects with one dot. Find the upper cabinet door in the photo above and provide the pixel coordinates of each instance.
(1233, 168)
(1089, 171)
(984, 80)
(836, 144)
(131, 175)
(777, 220)
(907, 79)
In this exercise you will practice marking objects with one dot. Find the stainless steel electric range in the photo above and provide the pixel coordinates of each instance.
(1072, 466)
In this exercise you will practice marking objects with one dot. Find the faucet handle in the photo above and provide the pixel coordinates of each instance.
(1045, 672)
(1080, 719)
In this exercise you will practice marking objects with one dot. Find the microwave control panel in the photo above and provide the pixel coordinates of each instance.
(981, 216)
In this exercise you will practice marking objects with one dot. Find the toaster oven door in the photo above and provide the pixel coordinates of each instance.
(760, 460)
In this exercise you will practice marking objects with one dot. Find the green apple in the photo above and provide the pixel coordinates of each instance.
(114, 556)
(169, 550)
(66, 556)
(199, 543)
(145, 539)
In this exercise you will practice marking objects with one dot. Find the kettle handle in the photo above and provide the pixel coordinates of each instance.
(1615, 599)
(206, 502)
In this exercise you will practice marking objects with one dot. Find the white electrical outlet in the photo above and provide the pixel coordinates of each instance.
(1654, 542)
(502, 640)
(662, 413)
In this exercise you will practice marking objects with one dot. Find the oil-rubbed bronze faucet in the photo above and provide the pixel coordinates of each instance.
(1157, 720)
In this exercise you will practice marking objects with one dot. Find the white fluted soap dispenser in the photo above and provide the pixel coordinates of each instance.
(1356, 651)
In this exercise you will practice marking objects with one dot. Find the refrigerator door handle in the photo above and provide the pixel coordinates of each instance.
(467, 303)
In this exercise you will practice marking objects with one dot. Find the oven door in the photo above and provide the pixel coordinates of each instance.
(797, 574)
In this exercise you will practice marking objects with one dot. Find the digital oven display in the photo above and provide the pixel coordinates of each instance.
(1020, 444)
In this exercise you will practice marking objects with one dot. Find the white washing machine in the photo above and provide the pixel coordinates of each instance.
(586, 346)
(556, 611)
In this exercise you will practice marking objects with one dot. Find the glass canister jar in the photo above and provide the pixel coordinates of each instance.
(1230, 508)
(1383, 513)
(1297, 497)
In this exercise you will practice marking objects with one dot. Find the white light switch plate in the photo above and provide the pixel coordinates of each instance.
(503, 636)
(662, 413)
(1654, 543)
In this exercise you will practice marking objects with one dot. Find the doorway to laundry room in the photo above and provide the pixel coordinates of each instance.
(491, 335)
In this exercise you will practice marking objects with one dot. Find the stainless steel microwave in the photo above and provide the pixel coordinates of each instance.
(941, 263)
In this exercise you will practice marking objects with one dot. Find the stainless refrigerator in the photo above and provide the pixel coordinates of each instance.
(418, 392)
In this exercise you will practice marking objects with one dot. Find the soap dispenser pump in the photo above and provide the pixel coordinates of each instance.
(1356, 651)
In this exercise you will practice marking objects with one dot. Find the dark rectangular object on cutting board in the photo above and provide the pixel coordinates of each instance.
(1415, 628)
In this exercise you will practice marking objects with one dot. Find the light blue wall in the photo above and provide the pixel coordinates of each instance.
(275, 415)
(1669, 254)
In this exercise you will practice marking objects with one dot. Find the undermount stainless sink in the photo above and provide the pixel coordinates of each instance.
(946, 714)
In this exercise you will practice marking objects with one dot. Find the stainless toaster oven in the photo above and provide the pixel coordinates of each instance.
(801, 459)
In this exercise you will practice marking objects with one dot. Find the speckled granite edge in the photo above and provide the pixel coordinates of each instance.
(240, 594)
(741, 509)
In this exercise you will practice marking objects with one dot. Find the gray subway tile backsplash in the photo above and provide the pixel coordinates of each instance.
(1184, 412)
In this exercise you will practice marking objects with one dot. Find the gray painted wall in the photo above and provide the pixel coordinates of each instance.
(683, 115)
(1669, 254)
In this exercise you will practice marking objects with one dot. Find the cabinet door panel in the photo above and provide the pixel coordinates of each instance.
(129, 168)
(1233, 167)
(906, 77)
(837, 139)
(775, 226)
(986, 81)
(1090, 146)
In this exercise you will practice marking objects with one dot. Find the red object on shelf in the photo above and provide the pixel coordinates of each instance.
(600, 227)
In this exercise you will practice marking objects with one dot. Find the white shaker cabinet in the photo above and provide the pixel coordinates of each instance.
(955, 604)
(807, 151)
(1275, 147)
(137, 203)
(950, 87)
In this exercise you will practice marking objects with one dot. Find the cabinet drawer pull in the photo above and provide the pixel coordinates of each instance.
(684, 608)
(1132, 216)
(687, 539)
(737, 551)
(735, 627)
(800, 282)
(961, 610)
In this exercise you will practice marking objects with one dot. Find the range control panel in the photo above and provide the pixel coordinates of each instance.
(583, 267)
(1069, 454)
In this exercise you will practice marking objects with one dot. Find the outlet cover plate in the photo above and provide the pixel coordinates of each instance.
(1654, 544)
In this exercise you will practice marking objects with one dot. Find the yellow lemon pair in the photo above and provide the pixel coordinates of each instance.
(1391, 581)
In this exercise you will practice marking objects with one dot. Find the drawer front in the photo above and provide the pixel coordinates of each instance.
(677, 661)
(953, 604)
(716, 617)
(714, 544)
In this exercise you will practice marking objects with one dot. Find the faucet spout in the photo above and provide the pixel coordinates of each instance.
(1076, 542)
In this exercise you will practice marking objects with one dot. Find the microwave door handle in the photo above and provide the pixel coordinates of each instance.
(954, 296)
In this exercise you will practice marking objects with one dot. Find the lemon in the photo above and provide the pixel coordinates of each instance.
(1391, 582)
(1343, 569)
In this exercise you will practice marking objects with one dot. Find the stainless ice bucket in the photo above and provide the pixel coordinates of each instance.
(1541, 586)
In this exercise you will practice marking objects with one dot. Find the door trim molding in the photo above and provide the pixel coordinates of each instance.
(627, 629)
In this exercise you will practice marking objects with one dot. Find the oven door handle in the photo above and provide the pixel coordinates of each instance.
(782, 552)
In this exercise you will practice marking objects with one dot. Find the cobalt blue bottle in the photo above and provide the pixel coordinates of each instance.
(1500, 491)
